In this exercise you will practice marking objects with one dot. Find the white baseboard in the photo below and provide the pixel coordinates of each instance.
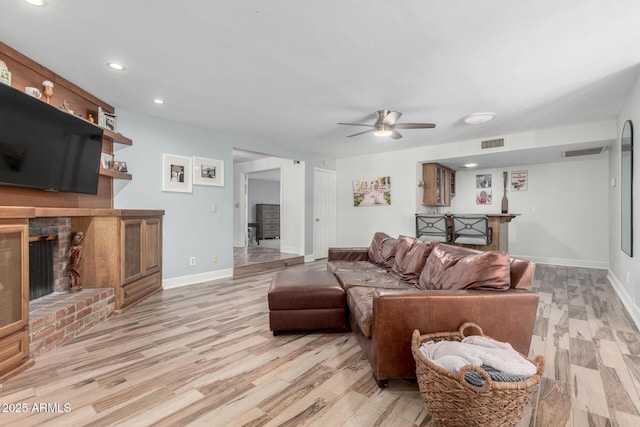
(192, 279)
(291, 250)
(566, 261)
(632, 308)
(309, 258)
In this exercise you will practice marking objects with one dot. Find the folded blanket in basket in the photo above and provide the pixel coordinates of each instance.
(477, 350)
(474, 378)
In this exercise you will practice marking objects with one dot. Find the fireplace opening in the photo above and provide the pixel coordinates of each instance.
(41, 277)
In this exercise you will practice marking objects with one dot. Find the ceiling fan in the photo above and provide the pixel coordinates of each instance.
(385, 125)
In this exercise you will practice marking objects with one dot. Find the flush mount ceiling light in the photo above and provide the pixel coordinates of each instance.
(116, 66)
(477, 118)
(39, 3)
(470, 165)
(158, 101)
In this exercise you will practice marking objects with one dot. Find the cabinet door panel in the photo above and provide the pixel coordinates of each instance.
(132, 251)
(153, 241)
(14, 297)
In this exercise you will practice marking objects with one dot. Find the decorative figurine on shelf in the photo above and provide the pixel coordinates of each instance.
(47, 90)
(91, 119)
(65, 107)
(73, 270)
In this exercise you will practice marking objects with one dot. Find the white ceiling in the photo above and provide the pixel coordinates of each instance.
(285, 71)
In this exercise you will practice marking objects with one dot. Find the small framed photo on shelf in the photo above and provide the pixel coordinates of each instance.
(120, 166)
(110, 121)
(105, 161)
(176, 173)
(208, 171)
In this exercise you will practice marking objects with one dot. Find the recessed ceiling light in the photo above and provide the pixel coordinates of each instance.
(116, 66)
(470, 165)
(477, 118)
(38, 3)
(158, 101)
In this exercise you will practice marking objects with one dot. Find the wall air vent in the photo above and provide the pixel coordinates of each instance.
(492, 143)
(584, 152)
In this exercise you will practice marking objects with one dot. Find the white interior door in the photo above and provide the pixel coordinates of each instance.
(324, 212)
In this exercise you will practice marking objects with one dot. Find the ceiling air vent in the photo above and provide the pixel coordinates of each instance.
(584, 152)
(493, 143)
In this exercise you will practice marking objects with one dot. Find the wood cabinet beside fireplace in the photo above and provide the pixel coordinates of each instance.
(123, 252)
(14, 297)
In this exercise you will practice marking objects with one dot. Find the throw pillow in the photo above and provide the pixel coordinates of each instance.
(375, 248)
(453, 270)
(410, 261)
(389, 248)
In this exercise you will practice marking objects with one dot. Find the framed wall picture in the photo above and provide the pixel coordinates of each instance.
(176, 173)
(372, 192)
(519, 180)
(208, 171)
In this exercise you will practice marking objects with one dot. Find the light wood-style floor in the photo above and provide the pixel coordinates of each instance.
(203, 355)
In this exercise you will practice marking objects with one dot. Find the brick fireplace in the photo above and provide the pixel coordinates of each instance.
(57, 318)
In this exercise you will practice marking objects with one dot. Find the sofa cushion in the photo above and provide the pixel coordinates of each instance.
(455, 270)
(360, 303)
(410, 258)
(359, 266)
(370, 279)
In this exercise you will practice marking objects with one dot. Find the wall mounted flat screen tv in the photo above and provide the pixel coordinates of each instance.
(46, 148)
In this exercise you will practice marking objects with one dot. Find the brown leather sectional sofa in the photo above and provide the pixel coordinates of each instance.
(397, 285)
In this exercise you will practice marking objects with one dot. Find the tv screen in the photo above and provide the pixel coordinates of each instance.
(46, 148)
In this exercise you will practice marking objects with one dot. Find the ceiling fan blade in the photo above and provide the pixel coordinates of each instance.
(414, 125)
(355, 124)
(395, 134)
(391, 117)
(360, 133)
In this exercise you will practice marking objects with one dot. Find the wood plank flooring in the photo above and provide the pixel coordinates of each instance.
(203, 355)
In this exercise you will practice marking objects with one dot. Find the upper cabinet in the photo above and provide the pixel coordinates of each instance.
(439, 185)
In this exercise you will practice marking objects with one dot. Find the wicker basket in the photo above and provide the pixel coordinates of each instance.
(454, 402)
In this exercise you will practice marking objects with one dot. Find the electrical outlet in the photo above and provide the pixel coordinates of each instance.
(214, 259)
(192, 260)
(214, 208)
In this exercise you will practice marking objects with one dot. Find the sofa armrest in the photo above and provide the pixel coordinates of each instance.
(507, 316)
(348, 254)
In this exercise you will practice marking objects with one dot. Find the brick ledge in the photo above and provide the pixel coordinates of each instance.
(59, 317)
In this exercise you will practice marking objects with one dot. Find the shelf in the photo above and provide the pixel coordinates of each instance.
(116, 137)
(115, 174)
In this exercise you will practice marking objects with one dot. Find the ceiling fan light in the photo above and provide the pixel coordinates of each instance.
(382, 132)
(477, 118)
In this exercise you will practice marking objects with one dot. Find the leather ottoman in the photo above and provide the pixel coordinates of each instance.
(305, 299)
